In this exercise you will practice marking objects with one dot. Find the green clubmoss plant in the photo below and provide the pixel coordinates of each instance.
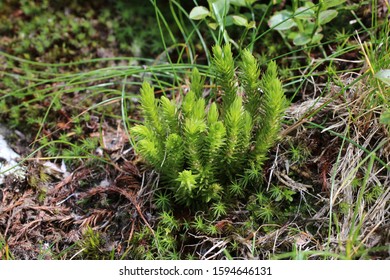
(209, 149)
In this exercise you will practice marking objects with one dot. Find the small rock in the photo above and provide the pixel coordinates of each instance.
(9, 160)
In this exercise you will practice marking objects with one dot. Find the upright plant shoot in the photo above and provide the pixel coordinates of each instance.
(201, 146)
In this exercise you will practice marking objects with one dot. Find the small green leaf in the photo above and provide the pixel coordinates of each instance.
(240, 20)
(317, 38)
(229, 20)
(304, 13)
(261, 7)
(331, 3)
(292, 34)
(242, 3)
(327, 16)
(310, 5)
(251, 24)
(301, 39)
(239, 3)
(281, 21)
(199, 13)
(213, 25)
(220, 8)
(384, 76)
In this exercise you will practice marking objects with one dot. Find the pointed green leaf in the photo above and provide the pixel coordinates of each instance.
(251, 24)
(199, 13)
(142, 132)
(213, 25)
(197, 83)
(212, 116)
(240, 20)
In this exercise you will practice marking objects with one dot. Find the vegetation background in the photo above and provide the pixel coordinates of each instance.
(70, 79)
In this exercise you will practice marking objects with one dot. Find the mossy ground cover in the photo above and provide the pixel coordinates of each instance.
(70, 77)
